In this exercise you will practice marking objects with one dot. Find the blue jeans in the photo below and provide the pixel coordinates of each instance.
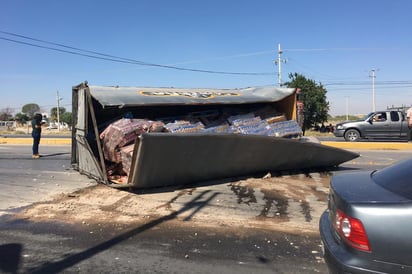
(36, 142)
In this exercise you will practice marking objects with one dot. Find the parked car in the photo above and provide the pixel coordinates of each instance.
(52, 126)
(367, 227)
(379, 124)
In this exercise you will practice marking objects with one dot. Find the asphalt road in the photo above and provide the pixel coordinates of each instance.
(157, 246)
(153, 247)
(25, 180)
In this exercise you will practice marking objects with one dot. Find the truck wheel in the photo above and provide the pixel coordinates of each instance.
(352, 135)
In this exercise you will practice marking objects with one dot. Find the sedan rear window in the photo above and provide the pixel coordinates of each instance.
(396, 178)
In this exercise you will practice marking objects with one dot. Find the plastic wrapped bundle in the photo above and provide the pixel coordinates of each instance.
(240, 116)
(184, 127)
(246, 121)
(170, 127)
(126, 154)
(275, 119)
(157, 126)
(260, 128)
(288, 128)
(121, 133)
(220, 129)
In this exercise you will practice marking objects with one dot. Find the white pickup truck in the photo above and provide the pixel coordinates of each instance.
(379, 124)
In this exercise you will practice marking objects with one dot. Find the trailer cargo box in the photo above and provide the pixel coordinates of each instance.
(143, 137)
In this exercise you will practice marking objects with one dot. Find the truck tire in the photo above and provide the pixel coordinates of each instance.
(352, 135)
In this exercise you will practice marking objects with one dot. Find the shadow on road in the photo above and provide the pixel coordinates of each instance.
(29, 156)
(54, 154)
(10, 255)
(195, 204)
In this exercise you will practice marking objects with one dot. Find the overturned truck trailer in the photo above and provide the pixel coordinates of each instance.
(200, 135)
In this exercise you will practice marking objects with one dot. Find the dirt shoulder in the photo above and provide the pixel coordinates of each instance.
(290, 203)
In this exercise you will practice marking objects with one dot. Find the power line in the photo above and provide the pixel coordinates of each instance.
(112, 58)
(339, 49)
(363, 83)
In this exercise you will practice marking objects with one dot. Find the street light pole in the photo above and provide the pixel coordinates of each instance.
(373, 90)
(347, 108)
(58, 111)
(278, 62)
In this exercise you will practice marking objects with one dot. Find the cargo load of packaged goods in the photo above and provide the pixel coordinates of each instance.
(118, 138)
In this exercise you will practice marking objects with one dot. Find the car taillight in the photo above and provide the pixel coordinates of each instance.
(352, 231)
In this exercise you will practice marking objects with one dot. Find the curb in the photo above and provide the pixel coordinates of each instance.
(29, 141)
(342, 145)
(370, 145)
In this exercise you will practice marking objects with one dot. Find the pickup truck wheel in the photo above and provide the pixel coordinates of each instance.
(352, 135)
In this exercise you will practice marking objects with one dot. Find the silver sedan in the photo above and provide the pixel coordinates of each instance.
(367, 227)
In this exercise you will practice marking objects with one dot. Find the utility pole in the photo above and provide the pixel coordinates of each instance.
(373, 90)
(279, 62)
(347, 108)
(58, 111)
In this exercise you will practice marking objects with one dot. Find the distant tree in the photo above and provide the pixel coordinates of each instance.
(6, 114)
(67, 118)
(53, 113)
(313, 96)
(21, 118)
(30, 109)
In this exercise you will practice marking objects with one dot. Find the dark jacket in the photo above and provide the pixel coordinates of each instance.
(36, 125)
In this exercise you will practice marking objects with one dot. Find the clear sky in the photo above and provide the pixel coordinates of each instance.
(335, 43)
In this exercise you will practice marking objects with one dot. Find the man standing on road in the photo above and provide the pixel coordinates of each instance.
(409, 119)
(36, 134)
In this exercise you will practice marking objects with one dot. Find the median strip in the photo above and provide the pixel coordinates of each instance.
(29, 141)
(344, 145)
(370, 145)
